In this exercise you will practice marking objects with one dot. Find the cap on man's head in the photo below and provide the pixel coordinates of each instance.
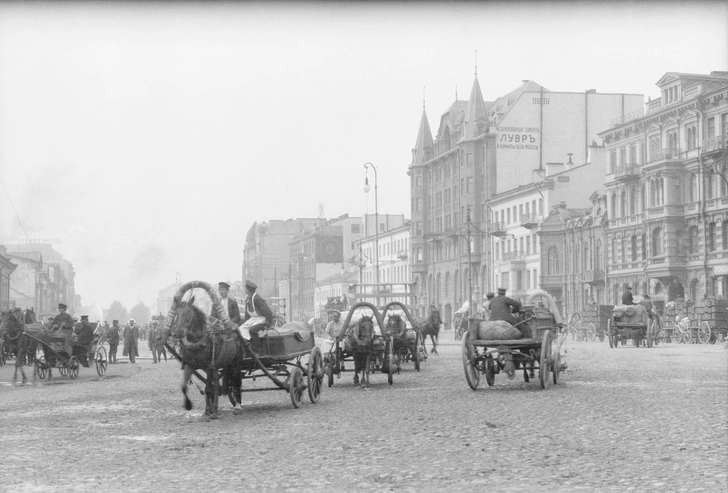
(501, 290)
(333, 311)
(61, 305)
(251, 285)
(114, 321)
(223, 285)
(627, 287)
(490, 295)
(84, 317)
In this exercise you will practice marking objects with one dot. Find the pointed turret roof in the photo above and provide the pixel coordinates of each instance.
(476, 111)
(424, 141)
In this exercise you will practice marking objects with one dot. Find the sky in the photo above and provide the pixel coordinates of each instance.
(146, 139)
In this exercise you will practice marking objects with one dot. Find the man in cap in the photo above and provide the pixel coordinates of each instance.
(63, 319)
(627, 296)
(113, 338)
(83, 337)
(232, 310)
(502, 307)
(486, 305)
(257, 316)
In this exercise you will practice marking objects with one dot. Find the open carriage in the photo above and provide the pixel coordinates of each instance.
(406, 340)
(590, 324)
(361, 346)
(482, 356)
(631, 322)
(59, 349)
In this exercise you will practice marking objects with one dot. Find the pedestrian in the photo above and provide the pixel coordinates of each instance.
(627, 296)
(156, 343)
(131, 336)
(150, 343)
(113, 338)
(502, 307)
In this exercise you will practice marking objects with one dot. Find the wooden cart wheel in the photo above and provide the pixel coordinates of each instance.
(63, 369)
(101, 361)
(315, 375)
(591, 332)
(472, 374)
(330, 374)
(574, 326)
(3, 358)
(73, 365)
(687, 333)
(545, 360)
(489, 370)
(389, 355)
(556, 367)
(612, 337)
(704, 333)
(296, 386)
(418, 347)
(41, 367)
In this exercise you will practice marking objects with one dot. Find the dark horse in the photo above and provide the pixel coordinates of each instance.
(430, 327)
(360, 339)
(209, 348)
(18, 341)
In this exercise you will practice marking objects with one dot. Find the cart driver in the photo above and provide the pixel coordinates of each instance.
(331, 331)
(84, 336)
(63, 319)
(502, 307)
(257, 317)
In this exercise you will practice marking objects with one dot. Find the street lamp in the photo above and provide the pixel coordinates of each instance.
(376, 216)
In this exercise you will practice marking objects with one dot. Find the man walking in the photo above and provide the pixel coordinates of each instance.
(113, 338)
(131, 336)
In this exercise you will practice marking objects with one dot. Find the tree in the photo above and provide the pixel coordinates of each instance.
(140, 313)
(117, 311)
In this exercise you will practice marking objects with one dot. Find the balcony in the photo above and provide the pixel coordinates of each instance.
(402, 254)
(715, 144)
(664, 155)
(666, 266)
(497, 228)
(551, 282)
(474, 258)
(627, 172)
(593, 276)
(513, 256)
(530, 221)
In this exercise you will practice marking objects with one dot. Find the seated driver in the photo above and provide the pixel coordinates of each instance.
(84, 336)
(257, 317)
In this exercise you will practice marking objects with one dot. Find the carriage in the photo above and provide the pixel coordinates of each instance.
(406, 340)
(361, 344)
(489, 357)
(704, 322)
(56, 349)
(632, 322)
(591, 324)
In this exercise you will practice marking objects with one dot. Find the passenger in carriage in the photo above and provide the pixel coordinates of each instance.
(502, 307)
(257, 318)
(83, 338)
(627, 296)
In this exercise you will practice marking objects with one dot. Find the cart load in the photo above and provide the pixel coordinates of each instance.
(290, 339)
(629, 314)
(498, 330)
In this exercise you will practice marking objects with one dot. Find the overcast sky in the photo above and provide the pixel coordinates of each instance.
(149, 138)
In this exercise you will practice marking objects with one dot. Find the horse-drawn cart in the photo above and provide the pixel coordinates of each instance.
(591, 324)
(631, 322)
(361, 343)
(60, 349)
(489, 357)
(406, 340)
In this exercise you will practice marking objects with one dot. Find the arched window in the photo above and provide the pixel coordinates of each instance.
(657, 242)
(693, 239)
(653, 193)
(711, 237)
(623, 204)
(710, 189)
(615, 257)
(672, 140)
(643, 198)
(724, 227)
(661, 191)
(694, 290)
(693, 191)
(625, 249)
(614, 206)
(644, 246)
(553, 261)
(634, 248)
(586, 258)
(598, 255)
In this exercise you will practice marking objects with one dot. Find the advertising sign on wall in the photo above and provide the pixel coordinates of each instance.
(518, 138)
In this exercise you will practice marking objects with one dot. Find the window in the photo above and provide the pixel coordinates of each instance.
(622, 156)
(693, 239)
(634, 248)
(632, 200)
(612, 161)
(519, 280)
(623, 207)
(418, 204)
(470, 184)
(643, 198)
(614, 206)
(693, 191)
(508, 215)
(553, 262)
(711, 127)
(656, 242)
(419, 228)
(711, 237)
(724, 227)
(598, 255)
(672, 139)
(724, 129)
(691, 137)
(711, 189)
(528, 279)
(585, 258)
(633, 154)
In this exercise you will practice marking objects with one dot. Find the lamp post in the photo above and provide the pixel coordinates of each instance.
(376, 217)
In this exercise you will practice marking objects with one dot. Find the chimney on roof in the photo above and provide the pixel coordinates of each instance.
(570, 163)
(593, 91)
(525, 81)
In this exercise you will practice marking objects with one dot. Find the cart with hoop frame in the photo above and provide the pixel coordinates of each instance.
(631, 322)
(406, 339)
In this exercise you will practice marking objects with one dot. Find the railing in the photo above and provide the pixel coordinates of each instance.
(638, 113)
(496, 228)
(626, 171)
(402, 254)
(528, 220)
(717, 143)
(664, 154)
(593, 275)
(515, 255)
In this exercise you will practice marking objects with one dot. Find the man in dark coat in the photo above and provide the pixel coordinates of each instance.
(63, 319)
(228, 304)
(502, 307)
(627, 296)
(257, 316)
(84, 337)
(131, 337)
(113, 338)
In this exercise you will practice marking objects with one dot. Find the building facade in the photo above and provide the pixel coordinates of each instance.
(6, 268)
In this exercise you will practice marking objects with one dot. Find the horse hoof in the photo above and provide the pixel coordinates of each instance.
(237, 411)
(205, 418)
(214, 416)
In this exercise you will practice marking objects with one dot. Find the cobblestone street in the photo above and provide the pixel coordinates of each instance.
(626, 419)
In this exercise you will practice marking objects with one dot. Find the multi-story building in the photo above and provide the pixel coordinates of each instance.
(667, 192)
(265, 259)
(513, 239)
(335, 288)
(6, 268)
(483, 149)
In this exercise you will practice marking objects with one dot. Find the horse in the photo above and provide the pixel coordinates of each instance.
(19, 343)
(431, 327)
(207, 348)
(360, 339)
